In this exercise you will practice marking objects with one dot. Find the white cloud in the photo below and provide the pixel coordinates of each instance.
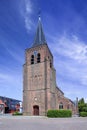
(10, 84)
(70, 47)
(28, 6)
(4, 78)
(84, 79)
(26, 11)
(9, 78)
(70, 58)
(85, 100)
(16, 54)
(28, 23)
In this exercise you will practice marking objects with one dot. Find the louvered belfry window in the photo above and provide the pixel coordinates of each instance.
(32, 59)
(38, 58)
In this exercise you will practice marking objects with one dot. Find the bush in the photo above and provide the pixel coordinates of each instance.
(17, 114)
(85, 109)
(59, 113)
(83, 114)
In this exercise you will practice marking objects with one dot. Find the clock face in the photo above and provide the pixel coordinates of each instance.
(35, 98)
(35, 53)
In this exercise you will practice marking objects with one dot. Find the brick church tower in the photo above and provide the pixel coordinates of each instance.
(39, 79)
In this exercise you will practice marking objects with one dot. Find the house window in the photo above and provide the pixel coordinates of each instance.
(32, 59)
(38, 58)
(61, 105)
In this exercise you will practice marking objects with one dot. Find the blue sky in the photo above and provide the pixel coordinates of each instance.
(65, 27)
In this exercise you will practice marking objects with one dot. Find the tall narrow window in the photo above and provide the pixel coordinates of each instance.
(68, 106)
(32, 59)
(38, 58)
(61, 105)
(50, 64)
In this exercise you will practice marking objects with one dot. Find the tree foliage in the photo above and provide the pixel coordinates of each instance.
(82, 106)
(81, 101)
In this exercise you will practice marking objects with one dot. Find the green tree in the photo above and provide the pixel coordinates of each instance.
(81, 101)
(82, 106)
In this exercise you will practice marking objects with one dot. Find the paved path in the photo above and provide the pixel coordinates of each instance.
(42, 123)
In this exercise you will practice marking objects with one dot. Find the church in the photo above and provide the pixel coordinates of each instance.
(40, 90)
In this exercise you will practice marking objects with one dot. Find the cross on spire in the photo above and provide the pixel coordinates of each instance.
(39, 13)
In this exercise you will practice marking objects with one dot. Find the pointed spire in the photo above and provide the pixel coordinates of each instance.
(39, 37)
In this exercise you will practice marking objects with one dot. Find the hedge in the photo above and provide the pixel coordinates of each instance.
(17, 114)
(59, 113)
(83, 114)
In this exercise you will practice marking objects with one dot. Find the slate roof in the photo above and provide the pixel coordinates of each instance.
(39, 37)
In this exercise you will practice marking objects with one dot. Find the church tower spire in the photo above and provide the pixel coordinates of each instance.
(39, 81)
(39, 37)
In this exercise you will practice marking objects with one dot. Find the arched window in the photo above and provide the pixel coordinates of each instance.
(61, 105)
(68, 106)
(38, 58)
(32, 59)
(50, 64)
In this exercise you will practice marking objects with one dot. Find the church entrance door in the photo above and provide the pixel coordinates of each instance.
(36, 110)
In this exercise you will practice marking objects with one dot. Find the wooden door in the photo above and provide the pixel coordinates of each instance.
(36, 110)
